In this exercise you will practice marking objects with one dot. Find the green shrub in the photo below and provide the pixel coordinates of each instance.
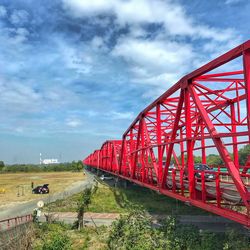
(134, 231)
(234, 240)
(57, 241)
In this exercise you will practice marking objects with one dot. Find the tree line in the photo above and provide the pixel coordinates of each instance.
(67, 166)
(215, 160)
(212, 160)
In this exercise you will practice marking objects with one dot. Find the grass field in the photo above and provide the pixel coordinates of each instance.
(16, 187)
(119, 200)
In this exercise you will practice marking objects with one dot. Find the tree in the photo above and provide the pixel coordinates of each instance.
(79, 166)
(243, 154)
(197, 159)
(1, 165)
(214, 160)
(83, 203)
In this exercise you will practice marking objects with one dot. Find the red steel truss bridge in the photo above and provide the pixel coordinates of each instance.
(205, 112)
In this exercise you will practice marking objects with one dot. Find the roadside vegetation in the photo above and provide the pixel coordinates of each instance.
(60, 236)
(135, 231)
(108, 199)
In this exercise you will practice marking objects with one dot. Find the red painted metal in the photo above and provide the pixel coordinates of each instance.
(15, 221)
(204, 112)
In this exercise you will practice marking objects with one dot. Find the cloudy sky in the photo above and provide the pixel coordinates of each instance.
(74, 73)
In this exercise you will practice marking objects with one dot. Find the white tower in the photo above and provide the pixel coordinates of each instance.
(41, 159)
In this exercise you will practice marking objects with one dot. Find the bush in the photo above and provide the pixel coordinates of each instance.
(135, 232)
(57, 241)
(180, 236)
(53, 236)
(235, 240)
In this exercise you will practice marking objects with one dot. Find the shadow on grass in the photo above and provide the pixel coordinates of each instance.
(110, 199)
(151, 201)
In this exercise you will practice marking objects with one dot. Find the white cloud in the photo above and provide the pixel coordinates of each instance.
(19, 130)
(161, 80)
(21, 35)
(73, 122)
(232, 1)
(168, 13)
(80, 62)
(98, 44)
(15, 96)
(157, 59)
(121, 115)
(19, 17)
(79, 7)
(14, 36)
(153, 54)
(155, 62)
(214, 49)
(136, 31)
(3, 11)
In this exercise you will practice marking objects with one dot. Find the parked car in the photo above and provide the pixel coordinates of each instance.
(103, 177)
(209, 172)
(44, 189)
(170, 168)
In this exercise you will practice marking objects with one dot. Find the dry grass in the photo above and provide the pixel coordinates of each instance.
(16, 187)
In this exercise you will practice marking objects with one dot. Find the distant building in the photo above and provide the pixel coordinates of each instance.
(48, 161)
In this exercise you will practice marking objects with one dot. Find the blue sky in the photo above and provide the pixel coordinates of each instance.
(74, 73)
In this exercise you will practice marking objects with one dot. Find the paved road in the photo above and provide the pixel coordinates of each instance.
(28, 207)
(203, 222)
(92, 219)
